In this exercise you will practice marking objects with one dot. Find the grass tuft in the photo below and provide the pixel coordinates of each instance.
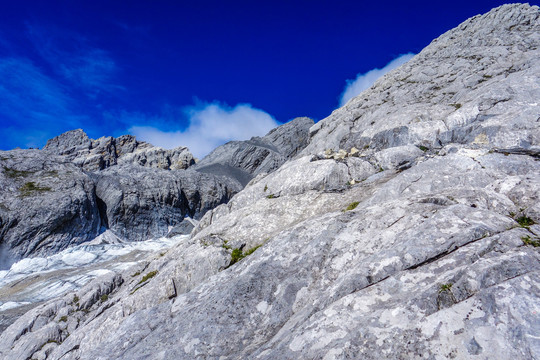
(351, 206)
(238, 255)
(445, 287)
(30, 188)
(525, 221)
(530, 242)
(148, 276)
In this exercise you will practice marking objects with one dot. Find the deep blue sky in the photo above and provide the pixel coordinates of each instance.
(110, 66)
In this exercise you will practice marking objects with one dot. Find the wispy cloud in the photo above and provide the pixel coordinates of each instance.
(32, 104)
(210, 125)
(72, 57)
(45, 89)
(364, 81)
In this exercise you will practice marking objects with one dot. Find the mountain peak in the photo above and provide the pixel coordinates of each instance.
(452, 91)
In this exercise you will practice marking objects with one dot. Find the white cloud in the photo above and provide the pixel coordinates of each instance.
(365, 80)
(210, 125)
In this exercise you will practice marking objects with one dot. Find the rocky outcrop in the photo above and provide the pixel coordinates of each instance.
(138, 203)
(242, 160)
(93, 155)
(431, 252)
(76, 187)
(46, 205)
(476, 84)
(130, 187)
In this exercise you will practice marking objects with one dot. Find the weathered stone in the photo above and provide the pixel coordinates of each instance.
(184, 228)
(46, 205)
(170, 289)
(93, 155)
(426, 261)
(138, 203)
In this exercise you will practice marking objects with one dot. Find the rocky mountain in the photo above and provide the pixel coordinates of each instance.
(73, 189)
(407, 228)
(46, 204)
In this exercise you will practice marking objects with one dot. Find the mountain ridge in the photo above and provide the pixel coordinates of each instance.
(415, 236)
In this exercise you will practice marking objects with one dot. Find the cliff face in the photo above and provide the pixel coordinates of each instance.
(407, 228)
(73, 189)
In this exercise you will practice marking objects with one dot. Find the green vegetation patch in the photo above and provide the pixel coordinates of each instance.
(530, 242)
(63, 319)
(525, 221)
(148, 276)
(456, 106)
(104, 297)
(238, 254)
(145, 278)
(445, 287)
(12, 173)
(423, 148)
(352, 206)
(31, 188)
(271, 196)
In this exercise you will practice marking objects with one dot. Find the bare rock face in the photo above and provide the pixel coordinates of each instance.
(93, 155)
(424, 244)
(138, 203)
(75, 187)
(474, 84)
(46, 205)
(69, 143)
(242, 160)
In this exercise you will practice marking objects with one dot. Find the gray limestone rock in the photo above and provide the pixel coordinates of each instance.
(46, 205)
(93, 155)
(184, 228)
(69, 143)
(474, 84)
(155, 157)
(138, 203)
(437, 259)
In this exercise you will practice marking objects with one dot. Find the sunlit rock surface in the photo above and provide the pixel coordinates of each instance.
(46, 205)
(376, 252)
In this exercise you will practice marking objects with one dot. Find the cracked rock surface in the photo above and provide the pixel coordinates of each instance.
(74, 188)
(424, 244)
